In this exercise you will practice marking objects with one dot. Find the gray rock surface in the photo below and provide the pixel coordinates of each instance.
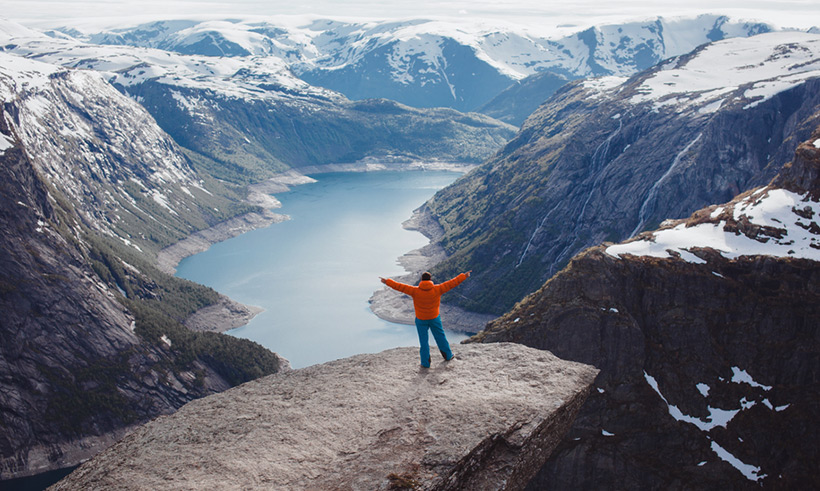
(485, 420)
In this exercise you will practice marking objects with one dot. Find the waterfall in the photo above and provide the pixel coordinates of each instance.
(653, 191)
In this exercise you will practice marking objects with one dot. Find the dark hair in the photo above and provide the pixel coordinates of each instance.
(426, 276)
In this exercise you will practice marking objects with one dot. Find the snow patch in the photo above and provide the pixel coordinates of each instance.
(703, 389)
(166, 340)
(816, 143)
(711, 107)
(750, 472)
(742, 377)
(606, 433)
(717, 416)
(162, 200)
(5, 143)
(690, 258)
(601, 85)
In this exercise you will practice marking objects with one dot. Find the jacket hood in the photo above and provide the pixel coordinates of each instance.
(426, 285)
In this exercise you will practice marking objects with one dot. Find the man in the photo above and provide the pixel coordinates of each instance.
(426, 302)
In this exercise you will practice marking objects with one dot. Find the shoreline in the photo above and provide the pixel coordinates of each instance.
(228, 314)
(393, 306)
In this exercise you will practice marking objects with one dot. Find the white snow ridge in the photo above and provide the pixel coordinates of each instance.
(782, 212)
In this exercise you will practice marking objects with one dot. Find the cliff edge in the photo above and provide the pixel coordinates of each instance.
(486, 420)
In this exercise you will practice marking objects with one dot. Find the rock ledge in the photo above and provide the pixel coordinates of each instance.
(487, 420)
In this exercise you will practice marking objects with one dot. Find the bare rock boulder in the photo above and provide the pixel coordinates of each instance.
(486, 420)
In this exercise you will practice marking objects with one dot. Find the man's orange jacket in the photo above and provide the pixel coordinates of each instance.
(426, 296)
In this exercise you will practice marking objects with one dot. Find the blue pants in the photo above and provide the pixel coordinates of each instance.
(438, 334)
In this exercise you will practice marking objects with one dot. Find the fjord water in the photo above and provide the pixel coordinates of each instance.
(315, 273)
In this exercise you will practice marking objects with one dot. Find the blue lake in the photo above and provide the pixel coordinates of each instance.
(315, 273)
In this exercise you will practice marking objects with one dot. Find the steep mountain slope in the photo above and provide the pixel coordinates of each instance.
(90, 340)
(125, 176)
(606, 158)
(706, 335)
(515, 104)
(245, 118)
(426, 63)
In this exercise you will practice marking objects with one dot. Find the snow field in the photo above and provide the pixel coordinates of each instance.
(776, 209)
(772, 62)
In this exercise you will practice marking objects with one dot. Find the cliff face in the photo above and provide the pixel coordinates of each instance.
(606, 159)
(374, 421)
(90, 343)
(706, 335)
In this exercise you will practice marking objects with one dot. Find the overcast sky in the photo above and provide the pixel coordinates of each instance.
(533, 13)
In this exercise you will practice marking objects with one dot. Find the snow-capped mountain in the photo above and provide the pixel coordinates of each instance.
(607, 158)
(426, 63)
(245, 117)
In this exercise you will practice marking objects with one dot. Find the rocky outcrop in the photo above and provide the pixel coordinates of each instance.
(606, 159)
(374, 421)
(707, 347)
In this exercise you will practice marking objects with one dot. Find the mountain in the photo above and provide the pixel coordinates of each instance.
(706, 335)
(425, 63)
(607, 158)
(244, 118)
(92, 343)
(515, 103)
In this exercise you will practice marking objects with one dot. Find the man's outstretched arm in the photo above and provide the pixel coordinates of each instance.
(401, 287)
(450, 284)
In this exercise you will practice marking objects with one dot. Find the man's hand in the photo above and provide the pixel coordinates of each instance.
(468, 273)
(383, 280)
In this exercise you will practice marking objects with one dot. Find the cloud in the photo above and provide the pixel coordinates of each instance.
(534, 13)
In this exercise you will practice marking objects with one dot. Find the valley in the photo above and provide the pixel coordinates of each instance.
(641, 201)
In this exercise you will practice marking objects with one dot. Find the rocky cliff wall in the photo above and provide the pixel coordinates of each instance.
(373, 421)
(708, 354)
(696, 330)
